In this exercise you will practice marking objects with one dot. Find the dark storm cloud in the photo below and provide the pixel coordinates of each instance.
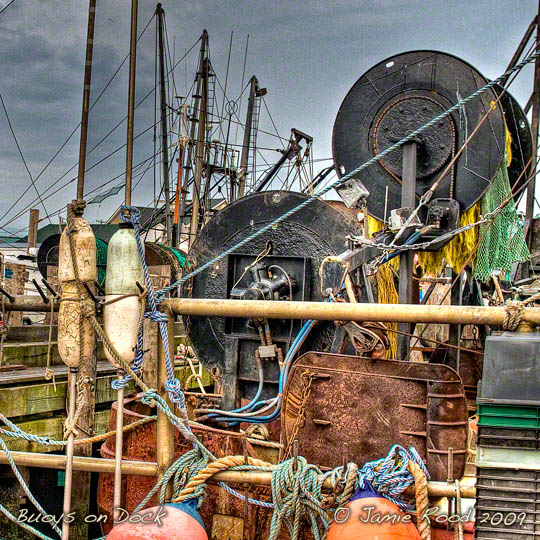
(308, 54)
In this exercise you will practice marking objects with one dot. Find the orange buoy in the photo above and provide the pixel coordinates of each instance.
(168, 522)
(369, 516)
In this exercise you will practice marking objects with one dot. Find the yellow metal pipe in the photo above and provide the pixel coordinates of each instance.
(80, 463)
(337, 311)
(145, 468)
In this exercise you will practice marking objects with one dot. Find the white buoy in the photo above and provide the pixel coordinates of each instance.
(121, 317)
(72, 345)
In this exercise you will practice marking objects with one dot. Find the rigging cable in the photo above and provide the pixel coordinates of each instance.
(77, 126)
(21, 154)
(5, 7)
(97, 144)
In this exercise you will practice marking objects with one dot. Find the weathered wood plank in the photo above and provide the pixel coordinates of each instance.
(32, 374)
(43, 398)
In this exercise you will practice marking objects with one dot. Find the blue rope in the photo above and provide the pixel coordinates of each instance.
(151, 398)
(18, 433)
(26, 490)
(390, 476)
(22, 524)
(348, 176)
(230, 490)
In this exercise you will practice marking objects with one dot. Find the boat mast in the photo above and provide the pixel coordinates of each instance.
(87, 368)
(194, 121)
(199, 154)
(164, 129)
(531, 190)
(254, 88)
(86, 99)
(182, 141)
(117, 492)
(131, 101)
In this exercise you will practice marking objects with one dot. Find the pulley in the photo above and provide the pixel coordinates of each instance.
(282, 264)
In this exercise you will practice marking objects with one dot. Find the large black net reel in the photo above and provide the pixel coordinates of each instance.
(287, 258)
(404, 92)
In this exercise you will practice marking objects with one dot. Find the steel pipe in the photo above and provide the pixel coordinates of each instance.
(145, 468)
(73, 373)
(80, 463)
(337, 311)
(118, 448)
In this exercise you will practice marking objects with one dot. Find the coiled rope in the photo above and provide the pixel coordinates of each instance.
(297, 488)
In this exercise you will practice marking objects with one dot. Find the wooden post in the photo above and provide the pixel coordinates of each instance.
(32, 229)
(165, 430)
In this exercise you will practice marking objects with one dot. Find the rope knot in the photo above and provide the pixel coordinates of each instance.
(513, 313)
(130, 214)
(77, 207)
(87, 309)
(157, 316)
(148, 397)
(174, 388)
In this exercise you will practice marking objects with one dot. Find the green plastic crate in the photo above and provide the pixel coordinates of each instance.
(508, 416)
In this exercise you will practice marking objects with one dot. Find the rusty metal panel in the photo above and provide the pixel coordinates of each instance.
(347, 408)
(227, 528)
(140, 445)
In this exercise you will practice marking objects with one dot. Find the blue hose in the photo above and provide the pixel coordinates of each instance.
(297, 343)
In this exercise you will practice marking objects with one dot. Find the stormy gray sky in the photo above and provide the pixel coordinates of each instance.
(307, 54)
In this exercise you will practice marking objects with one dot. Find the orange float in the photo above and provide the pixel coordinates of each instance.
(168, 522)
(369, 516)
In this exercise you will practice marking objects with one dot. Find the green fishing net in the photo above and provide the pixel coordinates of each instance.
(503, 241)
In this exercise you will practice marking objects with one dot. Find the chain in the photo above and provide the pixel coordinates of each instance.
(307, 382)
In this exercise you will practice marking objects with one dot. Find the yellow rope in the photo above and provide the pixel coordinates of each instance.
(387, 294)
(213, 468)
(457, 251)
(422, 500)
(386, 288)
